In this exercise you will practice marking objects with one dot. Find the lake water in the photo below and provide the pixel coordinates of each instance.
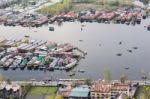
(100, 41)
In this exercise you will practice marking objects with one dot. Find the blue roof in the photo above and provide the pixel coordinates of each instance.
(80, 91)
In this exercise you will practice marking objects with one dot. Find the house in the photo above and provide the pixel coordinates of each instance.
(119, 88)
(7, 90)
(80, 92)
(100, 89)
(65, 90)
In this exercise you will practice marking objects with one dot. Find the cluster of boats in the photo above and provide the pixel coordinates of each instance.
(6, 3)
(26, 20)
(124, 15)
(45, 56)
(14, 13)
(121, 15)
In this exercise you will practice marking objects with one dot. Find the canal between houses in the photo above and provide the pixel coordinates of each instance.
(100, 41)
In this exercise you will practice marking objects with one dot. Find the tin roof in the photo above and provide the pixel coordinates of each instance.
(80, 91)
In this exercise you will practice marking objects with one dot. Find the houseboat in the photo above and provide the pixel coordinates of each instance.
(72, 63)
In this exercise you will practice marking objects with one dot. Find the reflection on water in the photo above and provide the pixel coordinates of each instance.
(101, 41)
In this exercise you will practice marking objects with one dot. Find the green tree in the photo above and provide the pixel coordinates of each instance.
(8, 81)
(65, 5)
(123, 78)
(107, 75)
(88, 81)
(25, 3)
(146, 92)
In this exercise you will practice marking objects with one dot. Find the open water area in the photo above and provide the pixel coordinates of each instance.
(99, 40)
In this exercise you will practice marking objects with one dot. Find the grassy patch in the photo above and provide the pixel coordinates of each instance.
(49, 97)
(142, 92)
(63, 6)
(43, 91)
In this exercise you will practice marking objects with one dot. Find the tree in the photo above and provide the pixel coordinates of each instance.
(125, 97)
(146, 90)
(88, 81)
(44, 9)
(146, 2)
(8, 81)
(107, 75)
(123, 78)
(1, 78)
(25, 3)
(143, 76)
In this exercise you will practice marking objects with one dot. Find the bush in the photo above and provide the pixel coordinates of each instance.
(63, 6)
(114, 3)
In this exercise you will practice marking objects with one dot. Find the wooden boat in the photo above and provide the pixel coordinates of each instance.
(148, 27)
(81, 70)
(129, 51)
(23, 63)
(31, 62)
(135, 47)
(51, 28)
(81, 40)
(3, 60)
(8, 63)
(139, 18)
(72, 63)
(126, 68)
(36, 64)
(53, 64)
(71, 73)
(119, 54)
(17, 62)
(42, 67)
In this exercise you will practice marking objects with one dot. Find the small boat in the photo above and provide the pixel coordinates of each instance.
(148, 27)
(81, 40)
(126, 68)
(27, 36)
(36, 64)
(119, 54)
(129, 51)
(31, 62)
(127, 23)
(42, 67)
(81, 70)
(51, 28)
(13, 67)
(120, 43)
(135, 47)
(8, 63)
(83, 25)
(107, 22)
(71, 73)
(72, 63)
(3, 60)
(17, 62)
(23, 63)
